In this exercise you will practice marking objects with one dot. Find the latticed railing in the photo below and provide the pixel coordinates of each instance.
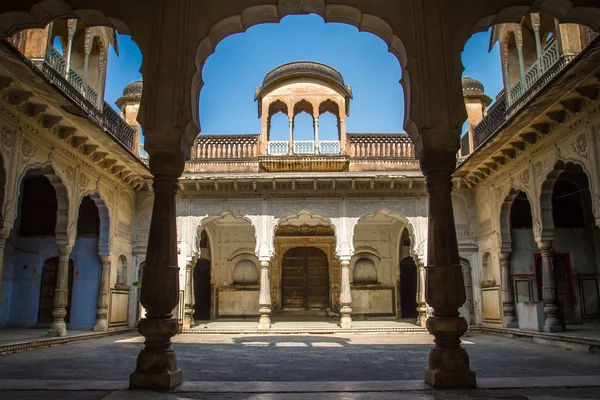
(226, 147)
(330, 147)
(277, 148)
(392, 145)
(536, 78)
(304, 147)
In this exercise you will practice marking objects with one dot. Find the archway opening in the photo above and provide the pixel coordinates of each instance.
(305, 279)
(202, 292)
(408, 280)
(575, 246)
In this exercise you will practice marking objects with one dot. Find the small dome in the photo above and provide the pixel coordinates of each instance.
(472, 86)
(134, 89)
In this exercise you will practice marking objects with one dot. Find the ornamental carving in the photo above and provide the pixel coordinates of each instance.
(7, 137)
(28, 150)
(525, 178)
(84, 180)
(70, 173)
(580, 145)
(537, 169)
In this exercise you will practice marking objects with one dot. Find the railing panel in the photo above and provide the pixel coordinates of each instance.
(381, 146)
(304, 147)
(329, 147)
(278, 148)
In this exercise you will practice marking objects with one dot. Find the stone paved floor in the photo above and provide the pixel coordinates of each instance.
(339, 357)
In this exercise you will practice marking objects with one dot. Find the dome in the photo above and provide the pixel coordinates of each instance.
(304, 68)
(472, 86)
(134, 89)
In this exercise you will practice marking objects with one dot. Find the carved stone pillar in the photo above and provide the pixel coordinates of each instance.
(509, 320)
(345, 296)
(71, 27)
(188, 321)
(444, 289)
(552, 323)
(468, 279)
(86, 59)
(265, 296)
(4, 232)
(156, 366)
(317, 147)
(291, 136)
(421, 304)
(61, 293)
(521, 67)
(103, 293)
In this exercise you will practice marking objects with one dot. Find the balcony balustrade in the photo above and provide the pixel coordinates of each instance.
(307, 147)
(390, 145)
(536, 78)
(53, 70)
(226, 147)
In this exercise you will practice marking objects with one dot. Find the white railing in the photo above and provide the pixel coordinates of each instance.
(551, 56)
(329, 147)
(304, 147)
(59, 64)
(278, 148)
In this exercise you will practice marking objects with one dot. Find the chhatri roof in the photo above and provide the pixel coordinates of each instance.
(303, 68)
(134, 89)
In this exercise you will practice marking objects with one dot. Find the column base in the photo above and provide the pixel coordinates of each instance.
(553, 329)
(57, 330)
(156, 367)
(264, 322)
(346, 322)
(552, 325)
(188, 323)
(510, 322)
(450, 379)
(101, 326)
(422, 320)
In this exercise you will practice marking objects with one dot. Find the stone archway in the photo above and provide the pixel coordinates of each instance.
(305, 279)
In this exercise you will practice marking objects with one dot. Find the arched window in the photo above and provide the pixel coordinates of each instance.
(364, 271)
(122, 271)
(245, 272)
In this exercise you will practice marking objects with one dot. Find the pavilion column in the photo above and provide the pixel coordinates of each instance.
(102, 313)
(421, 304)
(535, 24)
(72, 26)
(444, 288)
(509, 320)
(265, 296)
(468, 279)
(552, 323)
(61, 292)
(4, 232)
(86, 60)
(521, 67)
(317, 147)
(156, 366)
(345, 296)
(188, 321)
(291, 137)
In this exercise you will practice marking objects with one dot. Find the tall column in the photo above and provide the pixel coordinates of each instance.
(538, 45)
(507, 87)
(265, 296)
(291, 136)
(552, 323)
(86, 60)
(509, 320)
(521, 67)
(317, 147)
(468, 279)
(72, 25)
(421, 304)
(188, 321)
(100, 88)
(103, 293)
(61, 292)
(4, 232)
(345, 296)
(444, 288)
(156, 366)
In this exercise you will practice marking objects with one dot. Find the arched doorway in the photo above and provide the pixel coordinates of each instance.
(305, 279)
(202, 290)
(408, 288)
(49, 274)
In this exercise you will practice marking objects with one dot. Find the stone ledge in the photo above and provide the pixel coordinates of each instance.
(416, 329)
(586, 345)
(52, 341)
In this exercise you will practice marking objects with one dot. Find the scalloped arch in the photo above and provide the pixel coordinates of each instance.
(261, 14)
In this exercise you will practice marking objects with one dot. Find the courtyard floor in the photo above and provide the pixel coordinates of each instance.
(266, 366)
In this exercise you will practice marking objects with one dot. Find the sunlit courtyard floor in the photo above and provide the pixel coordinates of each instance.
(240, 366)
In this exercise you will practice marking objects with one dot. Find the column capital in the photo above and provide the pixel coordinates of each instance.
(504, 255)
(545, 245)
(265, 263)
(105, 259)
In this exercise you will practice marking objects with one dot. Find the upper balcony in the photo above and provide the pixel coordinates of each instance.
(70, 83)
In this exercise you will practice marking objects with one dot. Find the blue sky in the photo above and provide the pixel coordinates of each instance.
(241, 61)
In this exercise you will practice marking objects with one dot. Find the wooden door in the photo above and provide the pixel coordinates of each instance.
(305, 278)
